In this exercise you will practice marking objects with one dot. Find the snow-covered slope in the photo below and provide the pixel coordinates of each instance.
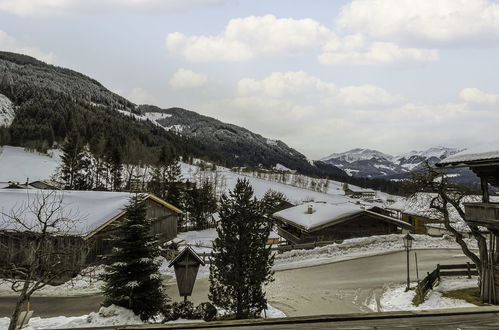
(373, 163)
(356, 155)
(6, 111)
(17, 164)
(414, 159)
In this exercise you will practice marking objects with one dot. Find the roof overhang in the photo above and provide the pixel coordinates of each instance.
(349, 217)
(122, 213)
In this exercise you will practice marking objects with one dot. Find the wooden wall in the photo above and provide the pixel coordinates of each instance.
(418, 222)
(362, 226)
(163, 225)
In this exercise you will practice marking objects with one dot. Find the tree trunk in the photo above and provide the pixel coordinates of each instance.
(17, 310)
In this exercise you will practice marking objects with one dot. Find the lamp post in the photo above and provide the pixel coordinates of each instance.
(408, 245)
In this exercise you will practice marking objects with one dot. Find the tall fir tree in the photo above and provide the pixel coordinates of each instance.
(73, 162)
(242, 263)
(201, 203)
(132, 278)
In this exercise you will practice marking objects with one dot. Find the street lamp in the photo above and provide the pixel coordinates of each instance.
(408, 245)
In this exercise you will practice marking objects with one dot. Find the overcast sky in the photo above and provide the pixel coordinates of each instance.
(323, 76)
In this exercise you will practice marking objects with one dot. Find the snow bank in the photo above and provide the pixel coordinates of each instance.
(359, 247)
(396, 299)
(107, 316)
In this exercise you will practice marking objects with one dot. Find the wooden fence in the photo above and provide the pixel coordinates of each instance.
(432, 279)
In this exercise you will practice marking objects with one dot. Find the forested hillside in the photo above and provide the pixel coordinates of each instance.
(50, 103)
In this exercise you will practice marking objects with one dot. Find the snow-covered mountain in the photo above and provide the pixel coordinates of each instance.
(413, 159)
(373, 163)
(358, 154)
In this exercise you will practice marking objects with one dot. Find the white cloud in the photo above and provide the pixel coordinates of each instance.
(51, 7)
(183, 78)
(365, 95)
(424, 20)
(11, 44)
(301, 86)
(356, 50)
(245, 38)
(474, 95)
(280, 84)
(139, 95)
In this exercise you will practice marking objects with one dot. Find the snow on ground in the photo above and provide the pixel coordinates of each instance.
(396, 299)
(109, 316)
(295, 195)
(83, 284)
(357, 248)
(17, 164)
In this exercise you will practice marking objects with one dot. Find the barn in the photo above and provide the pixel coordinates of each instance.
(316, 222)
(96, 217)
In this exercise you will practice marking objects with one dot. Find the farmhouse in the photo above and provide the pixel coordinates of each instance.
(355, 192)
(416, 210)
(315, 222)
(96, 215)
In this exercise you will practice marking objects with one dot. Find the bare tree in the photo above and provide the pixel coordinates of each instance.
(39, 245)
(446, 203)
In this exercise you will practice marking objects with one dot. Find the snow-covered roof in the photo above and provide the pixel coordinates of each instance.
(323, 214)
(91, 210)
(464, 158)
(419, 205)
(361, 190)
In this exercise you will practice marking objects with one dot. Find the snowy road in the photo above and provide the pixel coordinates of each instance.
(341, 287)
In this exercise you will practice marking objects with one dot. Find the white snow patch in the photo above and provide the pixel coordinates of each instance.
(17, 164)
(396, 299)
(6, 111)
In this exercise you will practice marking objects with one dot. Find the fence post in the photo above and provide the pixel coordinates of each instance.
(469, 269)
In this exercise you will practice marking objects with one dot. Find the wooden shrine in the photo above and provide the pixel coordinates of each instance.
(186, 265)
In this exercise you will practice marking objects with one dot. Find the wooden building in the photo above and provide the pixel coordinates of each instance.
(361, 193)
(484, 213)
(96, 215)
(315, 222)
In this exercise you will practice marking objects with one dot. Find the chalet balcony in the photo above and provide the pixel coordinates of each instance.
(483, 214)
(288, 236)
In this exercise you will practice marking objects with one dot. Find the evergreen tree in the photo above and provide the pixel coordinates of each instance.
(201, 203)
(274, 201)
(73, 162)
(132, 278)
(173, 177)
(242, 263)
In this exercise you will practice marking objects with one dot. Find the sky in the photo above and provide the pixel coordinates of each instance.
(322, 76)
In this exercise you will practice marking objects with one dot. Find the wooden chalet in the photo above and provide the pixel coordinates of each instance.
(424, 220)
(485, 213)
(97, 215)
(316, 222)
(362, 193)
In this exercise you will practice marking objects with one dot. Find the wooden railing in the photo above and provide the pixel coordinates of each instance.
(432, 279)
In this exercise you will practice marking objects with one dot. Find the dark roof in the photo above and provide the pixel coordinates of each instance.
(189, 250)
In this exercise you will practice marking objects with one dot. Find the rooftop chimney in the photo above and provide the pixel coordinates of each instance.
(310, 209)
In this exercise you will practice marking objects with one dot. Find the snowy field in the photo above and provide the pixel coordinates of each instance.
(396, 299)
(16, 164)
